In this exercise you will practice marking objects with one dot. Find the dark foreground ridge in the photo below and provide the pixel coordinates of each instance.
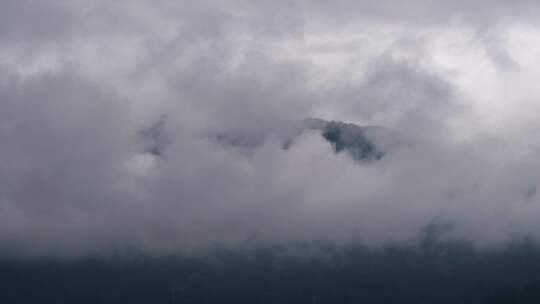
(430, 271)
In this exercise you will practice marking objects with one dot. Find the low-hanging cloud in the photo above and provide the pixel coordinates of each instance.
(455, 84)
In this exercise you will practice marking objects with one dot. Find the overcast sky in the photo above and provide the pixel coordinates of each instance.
(79, 80)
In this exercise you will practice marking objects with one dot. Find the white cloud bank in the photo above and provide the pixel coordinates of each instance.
(79, 81)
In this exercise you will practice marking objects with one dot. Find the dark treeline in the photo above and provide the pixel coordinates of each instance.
(430, 271)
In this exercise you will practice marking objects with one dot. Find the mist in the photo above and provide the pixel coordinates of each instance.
(82, 83)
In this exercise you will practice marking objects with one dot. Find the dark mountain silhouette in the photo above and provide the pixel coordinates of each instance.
(355, 140)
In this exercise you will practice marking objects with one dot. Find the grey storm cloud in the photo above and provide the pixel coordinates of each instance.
(109, 110)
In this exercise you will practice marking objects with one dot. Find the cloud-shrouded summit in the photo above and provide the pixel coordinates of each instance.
(164, 126)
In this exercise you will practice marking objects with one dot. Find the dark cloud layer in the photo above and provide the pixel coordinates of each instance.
(80, 82)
